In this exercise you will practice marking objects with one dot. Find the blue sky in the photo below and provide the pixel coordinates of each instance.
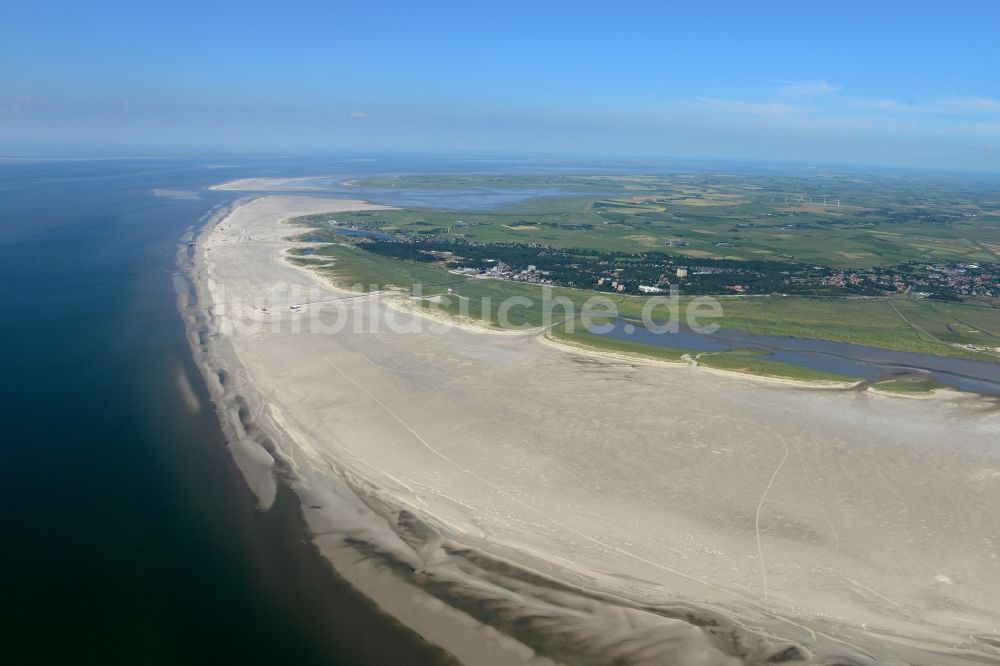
(874, 82)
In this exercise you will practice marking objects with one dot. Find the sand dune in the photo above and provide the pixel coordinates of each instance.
(510, 499)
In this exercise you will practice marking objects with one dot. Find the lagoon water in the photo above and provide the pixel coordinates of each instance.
(858, 361)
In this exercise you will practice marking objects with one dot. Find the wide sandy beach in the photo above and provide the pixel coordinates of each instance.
(509, 499)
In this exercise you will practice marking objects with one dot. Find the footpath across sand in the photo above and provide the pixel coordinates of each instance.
(650, 513)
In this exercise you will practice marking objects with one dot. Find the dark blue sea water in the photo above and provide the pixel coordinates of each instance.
(127, 534)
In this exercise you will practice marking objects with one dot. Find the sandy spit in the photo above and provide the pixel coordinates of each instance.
(516, 503)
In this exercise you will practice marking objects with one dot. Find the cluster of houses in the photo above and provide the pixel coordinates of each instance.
(503, 271)
(965, 279)
(662, 285)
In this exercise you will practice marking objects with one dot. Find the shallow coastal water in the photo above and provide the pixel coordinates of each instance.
(473, 198)
(129, 535)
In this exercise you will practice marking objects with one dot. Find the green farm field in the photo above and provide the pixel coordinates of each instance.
(830, 219)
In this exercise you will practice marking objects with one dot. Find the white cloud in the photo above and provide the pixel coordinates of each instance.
(976, 128)
(884, 105)
(819, 88)
(968, 105)
(23, 101)
(952, 106)
(360, 115)
(767, 109)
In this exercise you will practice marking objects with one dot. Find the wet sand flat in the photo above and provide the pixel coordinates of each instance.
(844, 523)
